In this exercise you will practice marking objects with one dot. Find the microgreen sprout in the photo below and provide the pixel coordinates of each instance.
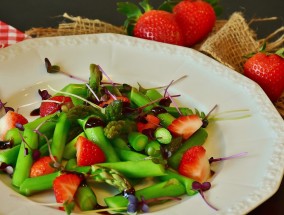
(6, 108)
(105, 74)
(56, 69)
(211, 160)
(44, 94)
(142, 89)
(79, 97)
(92, 91)
(36, 153)
(201, 188)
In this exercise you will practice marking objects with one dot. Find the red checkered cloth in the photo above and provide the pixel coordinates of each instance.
(10, 35)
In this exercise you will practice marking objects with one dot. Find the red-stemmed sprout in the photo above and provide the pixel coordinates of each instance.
(36, 153)
(211, 160)
(6, 108)
(56, 69)
(201, 188)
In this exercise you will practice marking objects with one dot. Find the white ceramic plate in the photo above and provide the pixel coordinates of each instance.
(238, 186)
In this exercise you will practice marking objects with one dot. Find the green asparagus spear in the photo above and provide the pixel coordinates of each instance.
(96, 134)
(137, 140)
(70, 148)
(34, 185)
(187, 182)
(25, 157)
(60, 136)
(85, 197)
(9, 156)
(136, 169)
(169, 188)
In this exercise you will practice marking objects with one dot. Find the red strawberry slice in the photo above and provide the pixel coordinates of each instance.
(185, 126)
(47, 108)
(42, 167)
(9, 120)
(65, 187)
(194, 164)
(151, 121)
(88, 153)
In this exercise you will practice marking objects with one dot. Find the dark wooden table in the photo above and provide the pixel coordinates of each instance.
(25, 14)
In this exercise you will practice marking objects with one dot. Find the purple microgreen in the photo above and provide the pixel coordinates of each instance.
(6, 144)
(56, 69)
(105, 74)
(6, 108)
(20, 126)
(174, 103)
(166, 90)
(79, 97)
(44, 94)
(210, 112)
(36, 154)
(132, 206)
(201, 188)
(93, 92)
(141, 89)
(144, 206)
(211, 160)
(110, 94)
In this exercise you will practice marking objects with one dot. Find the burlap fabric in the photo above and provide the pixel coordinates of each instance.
(228, 43)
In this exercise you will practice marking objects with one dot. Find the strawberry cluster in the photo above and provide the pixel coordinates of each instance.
(185, 23)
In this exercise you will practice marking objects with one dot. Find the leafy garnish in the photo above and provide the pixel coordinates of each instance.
(201, 188)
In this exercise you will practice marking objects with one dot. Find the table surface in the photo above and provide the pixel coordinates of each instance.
(25, 14)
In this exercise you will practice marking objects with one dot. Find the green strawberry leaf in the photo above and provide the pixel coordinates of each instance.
(145, 5)
(280, 52)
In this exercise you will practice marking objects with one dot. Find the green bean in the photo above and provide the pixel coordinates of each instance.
(25, 157)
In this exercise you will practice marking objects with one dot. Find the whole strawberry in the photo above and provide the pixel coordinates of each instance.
(268, 71)
(196, 20)
(155, 25)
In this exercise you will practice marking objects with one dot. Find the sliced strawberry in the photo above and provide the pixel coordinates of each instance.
(65, 187)
(149, 121)
(121, 98)
(42, 166)
(194, 164)
(47, 107)
(185, 126)
(9, 120)
(88, 153)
